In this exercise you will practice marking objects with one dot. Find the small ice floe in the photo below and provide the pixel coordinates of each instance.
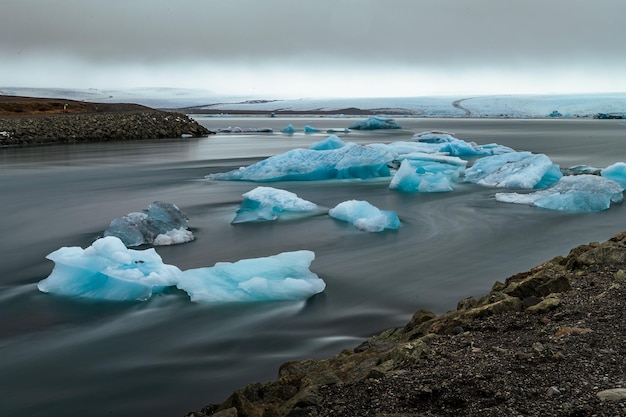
(364, 216)
(268, 204)
(574, 193)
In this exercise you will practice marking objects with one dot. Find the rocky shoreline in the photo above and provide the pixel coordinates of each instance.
(547, 342)
(27, 121)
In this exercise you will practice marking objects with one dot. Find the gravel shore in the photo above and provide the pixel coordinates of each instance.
(27, 121)
(547, 342)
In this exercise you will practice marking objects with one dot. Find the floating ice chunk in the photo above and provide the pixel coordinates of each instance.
(331, 142)
(576, 193)
(427, 173)
(160, 224)
(616, 172)
(267, 203)
(373, 123)
(107, 270)
(285, 276)
(238, 129)
(365, 216)
(289, 129)
(514, 170)
(311, 129)
(350, 161)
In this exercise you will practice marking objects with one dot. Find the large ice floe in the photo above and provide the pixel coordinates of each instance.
(365, 216)
(160, 224)
(575, 193)
(514, 170)
(107, 270)
(267, 203)
(373, 123)
(349, 161)
(427, 173)
(281, 277)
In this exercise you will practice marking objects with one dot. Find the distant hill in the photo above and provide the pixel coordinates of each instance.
(202, 101)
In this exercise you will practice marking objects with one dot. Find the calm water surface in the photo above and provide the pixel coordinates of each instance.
(167, 356)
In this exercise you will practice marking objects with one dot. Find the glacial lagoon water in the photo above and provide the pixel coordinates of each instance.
(167, 355)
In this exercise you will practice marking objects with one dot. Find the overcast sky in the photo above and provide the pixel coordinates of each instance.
(297, 48)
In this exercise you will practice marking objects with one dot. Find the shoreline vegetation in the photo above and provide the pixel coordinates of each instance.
(27, 121)
(547, 342)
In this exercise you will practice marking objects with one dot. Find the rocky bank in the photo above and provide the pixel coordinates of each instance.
(547, 342)
(26, 121)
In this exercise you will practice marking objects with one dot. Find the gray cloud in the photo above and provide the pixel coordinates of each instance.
(369, 34)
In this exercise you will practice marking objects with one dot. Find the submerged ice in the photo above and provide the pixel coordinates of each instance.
(267, 203)
(575, 193)
(365, 216)
(373, 123)
(107, 270)
(160, 224)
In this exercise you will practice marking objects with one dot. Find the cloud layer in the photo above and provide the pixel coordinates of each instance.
(437, 40)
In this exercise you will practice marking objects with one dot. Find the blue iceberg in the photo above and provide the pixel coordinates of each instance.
(365, 216)
(514, 170)
(373, 123)
(576, 193)
(289, 129)
(267, 203)
(107, 270)
(350, 161)
(616, 172)
(311, 129)
(427, 173)
(331, 142)
(281, 277)
(160, 224)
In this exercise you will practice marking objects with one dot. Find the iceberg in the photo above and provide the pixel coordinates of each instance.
(581, 169)
(452, 147)
(514, 170)
(350, 161)
(575, 193)
(311, 129)
(267, 203)
(427, 173)
(365, 216)
(107, 270)
(338, 130)
(160, 224)
(331, 142)
(282, 277)
(289, 129)
(616, 172)
(373, 123)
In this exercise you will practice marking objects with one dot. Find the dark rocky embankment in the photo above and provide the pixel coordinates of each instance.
(26, 121)
(547, 342)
